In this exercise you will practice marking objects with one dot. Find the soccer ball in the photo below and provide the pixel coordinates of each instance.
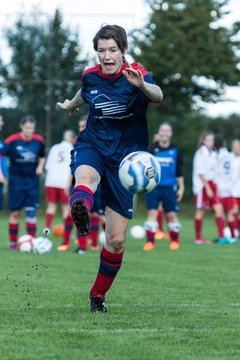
(139, 172)
(24, 243)
(58, 230)
(137, 232)
(42, 245)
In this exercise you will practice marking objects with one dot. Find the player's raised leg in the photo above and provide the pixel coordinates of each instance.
(81, 199)
(110, 258)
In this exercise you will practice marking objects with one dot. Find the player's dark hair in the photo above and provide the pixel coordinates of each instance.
(28, 118)
(114, 32)
(203, 136)
(218, 141)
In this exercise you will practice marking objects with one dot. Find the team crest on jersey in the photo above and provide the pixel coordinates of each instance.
(108, 106)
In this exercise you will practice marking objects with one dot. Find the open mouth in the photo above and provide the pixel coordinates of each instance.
(109, 65)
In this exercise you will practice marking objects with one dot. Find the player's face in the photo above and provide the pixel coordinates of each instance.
(164, 133)
(28, 129)
(1, 122)
(110, 56)
(209, 141)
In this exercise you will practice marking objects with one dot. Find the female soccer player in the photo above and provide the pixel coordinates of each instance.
(117, 94)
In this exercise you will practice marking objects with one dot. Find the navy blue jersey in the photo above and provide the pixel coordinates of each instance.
(23, 154)
(171, 161)
(117, 122)
(3, 163)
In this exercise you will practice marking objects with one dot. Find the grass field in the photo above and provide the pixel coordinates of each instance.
(163, 305)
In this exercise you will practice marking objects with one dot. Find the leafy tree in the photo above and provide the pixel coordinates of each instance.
(191, 55)
(45, 66)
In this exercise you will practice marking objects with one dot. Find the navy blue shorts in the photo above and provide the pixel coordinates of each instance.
(23, 192)
(113, 193)
(167, 195)
(98, 206)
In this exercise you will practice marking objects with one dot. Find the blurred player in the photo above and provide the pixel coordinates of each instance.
(117, 94)
(58, 180)
(169, 191)
(224, 182)
(26, 152)
(236, 180)
(3, 167)
(204, 187)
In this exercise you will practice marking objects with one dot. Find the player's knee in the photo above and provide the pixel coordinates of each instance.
(116, 241)
(31, 214)
(150, 225)
(174, 226)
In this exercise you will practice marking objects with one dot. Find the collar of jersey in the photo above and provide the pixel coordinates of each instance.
(113, 75)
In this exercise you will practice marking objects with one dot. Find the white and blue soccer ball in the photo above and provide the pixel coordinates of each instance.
(139, 172)
(42, 245)
(25, 243)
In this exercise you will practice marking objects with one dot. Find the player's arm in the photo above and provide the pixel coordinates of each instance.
(72, 105)
(135, 77)
(40, 167)
(181, 188)
(180, 178)
(207, 186)
(2, 178)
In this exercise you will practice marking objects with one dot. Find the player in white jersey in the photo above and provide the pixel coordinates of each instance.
(204, 187)
(224, 182)
(236, 180)
(58, 176)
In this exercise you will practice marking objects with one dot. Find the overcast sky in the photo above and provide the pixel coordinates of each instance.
(86, 16)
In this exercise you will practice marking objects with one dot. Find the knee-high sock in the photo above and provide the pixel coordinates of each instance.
(220, 226)
(94, 229)
(198, 228)
(109, 266)
(150, 235)
(82, 241)
(68, 225)
(31, 228)
(82, 193)
(48, 220)
(13, 232)
(160, 220)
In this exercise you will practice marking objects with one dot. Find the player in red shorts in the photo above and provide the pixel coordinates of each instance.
(236, 180)
(224, 183)
(205, 189)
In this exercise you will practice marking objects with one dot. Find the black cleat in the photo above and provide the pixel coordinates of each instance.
(81, 217)
(80, 251)
(97, 304)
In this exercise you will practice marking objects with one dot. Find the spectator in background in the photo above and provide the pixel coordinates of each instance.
(3, 167)
(58, 181)
(26, 152)
(204, 187)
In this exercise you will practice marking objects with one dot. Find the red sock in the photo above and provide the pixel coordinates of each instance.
(31, 228)
(13, 232)
(233, 228)
(150, 235)
(220, 226)
(48, 220)
(68, 225)
(198, 228)
(174, 236)
(109, 266)
(82, 242)
(104, 226)
(238, 222)
(83, 193)
(94, 229)
(160, 220)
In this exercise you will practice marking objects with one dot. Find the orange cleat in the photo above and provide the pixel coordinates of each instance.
(63, 248)
(159, 235)
(174, 245)
(148, 246)
(95, 248)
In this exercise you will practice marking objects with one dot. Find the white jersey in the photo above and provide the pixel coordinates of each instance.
(235, 172)
(204, 163)
(57, 165)
(223, 173)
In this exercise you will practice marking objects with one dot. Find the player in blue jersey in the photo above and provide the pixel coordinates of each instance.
(117, 94)
(27, 155)
(3, 167)
(169, 191)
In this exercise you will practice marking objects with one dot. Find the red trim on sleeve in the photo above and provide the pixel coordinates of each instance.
(92, 69)
(13, 137)
(137, 66)
(38, 137)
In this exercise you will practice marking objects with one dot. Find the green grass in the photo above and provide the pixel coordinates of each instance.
(163, 305)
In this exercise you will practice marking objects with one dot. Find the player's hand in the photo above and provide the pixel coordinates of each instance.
(66, 105)
(180, 194)
(209, 192)
(39, 170)
(2, 179)
(134, 76)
